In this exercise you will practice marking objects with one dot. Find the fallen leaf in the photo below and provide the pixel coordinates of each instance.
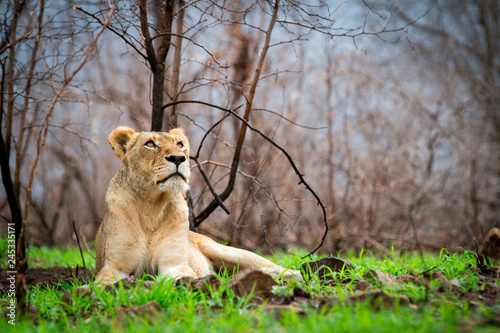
(378, 298)
(385, 278)
(490, 247)
(207, 285)
(362, 285)
(405, 278)
(325, 267)
(255, 282)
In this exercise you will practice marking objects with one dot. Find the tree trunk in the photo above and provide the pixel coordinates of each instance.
(156, 58)
(157, 112)
(241, 137)
(171, 120)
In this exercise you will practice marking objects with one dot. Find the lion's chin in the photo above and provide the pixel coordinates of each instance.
(175, 183)
(172, 177)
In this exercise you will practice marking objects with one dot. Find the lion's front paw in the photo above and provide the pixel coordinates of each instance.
(178, 272)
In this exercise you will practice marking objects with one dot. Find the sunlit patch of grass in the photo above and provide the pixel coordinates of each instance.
(44, 257)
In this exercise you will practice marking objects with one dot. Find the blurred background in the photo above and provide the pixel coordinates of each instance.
(390, 110)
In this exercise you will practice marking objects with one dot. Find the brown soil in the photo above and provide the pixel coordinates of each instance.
(48, 276)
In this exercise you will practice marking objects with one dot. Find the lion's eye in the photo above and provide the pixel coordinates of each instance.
(150, 144)
(180, 145)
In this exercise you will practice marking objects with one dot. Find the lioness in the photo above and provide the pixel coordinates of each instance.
(145, 227)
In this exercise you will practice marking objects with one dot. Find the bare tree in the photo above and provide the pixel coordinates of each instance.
(470, 65)
(77, 61)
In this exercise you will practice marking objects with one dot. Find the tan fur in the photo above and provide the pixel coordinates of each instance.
(145, 227)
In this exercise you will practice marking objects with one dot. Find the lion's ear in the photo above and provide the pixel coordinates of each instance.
(179, 132)
(119, 138)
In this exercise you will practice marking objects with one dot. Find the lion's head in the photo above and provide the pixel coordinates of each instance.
(154, 161)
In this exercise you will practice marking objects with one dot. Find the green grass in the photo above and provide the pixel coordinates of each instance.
(187, 309)
(45, 257)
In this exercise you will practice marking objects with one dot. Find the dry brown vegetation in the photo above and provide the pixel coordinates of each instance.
(391, 112)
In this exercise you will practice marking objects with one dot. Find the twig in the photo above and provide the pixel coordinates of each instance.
(217, 164)
(122, 36)
(290, 121)
(430, 269)
(185, 6)
(79, 246)
(6, 47)
(474, 202)
(378, 246)
(206, 134)
(210, 187)
(195, 43)
(64, 128)
(73, 269)
(87, 247)
(414, 227)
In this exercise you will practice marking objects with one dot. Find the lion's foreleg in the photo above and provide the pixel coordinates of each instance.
(170, 257)
(109, 275)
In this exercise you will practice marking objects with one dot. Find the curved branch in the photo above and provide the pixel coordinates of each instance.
(210, 130)
(210, 187)
(203, 215)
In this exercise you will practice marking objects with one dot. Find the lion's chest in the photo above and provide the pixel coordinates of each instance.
(154, 246)
(140, 236)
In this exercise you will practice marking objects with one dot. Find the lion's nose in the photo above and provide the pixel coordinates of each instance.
(176, 159)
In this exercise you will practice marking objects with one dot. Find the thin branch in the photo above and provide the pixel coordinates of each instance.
(290, 121)
(207, 181)
(185, 6)
(11, 69)
(217, 164)
(211, 128)
(24, 110)
(122, 36)
(195, 43)
(172, 120)
(79, 246)
(347, 33)
(6, 47)
(64, 128)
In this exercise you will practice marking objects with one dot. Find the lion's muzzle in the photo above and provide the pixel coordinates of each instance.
(178, 169)
(172, 175)
(176, 159)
